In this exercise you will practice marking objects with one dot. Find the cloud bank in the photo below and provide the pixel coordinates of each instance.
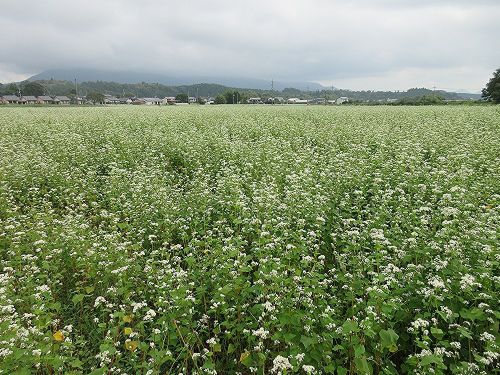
(360, 44)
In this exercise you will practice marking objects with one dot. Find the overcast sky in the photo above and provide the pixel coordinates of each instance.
(356, 44)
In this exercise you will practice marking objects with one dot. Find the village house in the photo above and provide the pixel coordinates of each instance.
(10, 99)
(152, 101)
(254, 101)
(61, 100)
(138, 101)
(296, 101)
(342, 100)
(126, 100)
(169, 100)
(29, 99)
(110, 99)
(44, 99)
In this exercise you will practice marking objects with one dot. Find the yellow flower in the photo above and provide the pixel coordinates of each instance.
(58, 336)
(128, 331)
(131, 345)
(127, 318)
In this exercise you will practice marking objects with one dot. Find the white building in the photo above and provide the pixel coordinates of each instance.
(342, 100)
(152, 101)
(254, 101)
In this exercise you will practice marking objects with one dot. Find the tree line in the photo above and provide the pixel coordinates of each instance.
(227, 95)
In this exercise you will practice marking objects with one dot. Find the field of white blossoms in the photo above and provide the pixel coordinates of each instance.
(238, 240)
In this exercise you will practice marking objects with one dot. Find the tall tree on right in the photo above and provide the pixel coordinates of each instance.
(492, 90)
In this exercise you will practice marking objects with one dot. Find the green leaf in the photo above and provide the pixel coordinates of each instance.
(76, 363)
(330, 369)
(428, 359)
(341, 371)
(436, 332)
(350, 326)
(99, 371)
(246, 359)
(217, 348)
(307, 341)
(389, 339)
(77, 298)
(288, 337)
(208, 364)
(359, 350)
(230, 349)
(362, 365)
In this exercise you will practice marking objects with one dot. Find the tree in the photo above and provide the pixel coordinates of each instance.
(95, 97)
(220, 99)
(11, 89)
(182, 98)
(33, 88)
(492, 90)
(232, 97)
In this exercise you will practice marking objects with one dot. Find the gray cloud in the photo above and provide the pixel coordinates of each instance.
(384, 44)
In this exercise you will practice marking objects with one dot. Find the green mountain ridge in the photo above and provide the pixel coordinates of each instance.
(145, 89)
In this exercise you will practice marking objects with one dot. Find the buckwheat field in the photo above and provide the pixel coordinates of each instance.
(242, 239)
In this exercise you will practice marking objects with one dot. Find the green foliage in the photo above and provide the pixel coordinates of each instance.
(422, 100)
(182, 98)
(95, 97)
(492, 90)
(220, 99)
(33, 88)
(277, 239)
(10, 89)
(232, 97)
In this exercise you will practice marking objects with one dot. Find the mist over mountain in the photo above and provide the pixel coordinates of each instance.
(82, 75)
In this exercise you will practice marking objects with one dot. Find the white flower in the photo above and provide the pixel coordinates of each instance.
(300, 357)
(420, 323)
(150, 314)
(308, 369)
(99, 300)
(279, 364)
(261, 332)
(468, 281)
(485, 336)
(455, 345)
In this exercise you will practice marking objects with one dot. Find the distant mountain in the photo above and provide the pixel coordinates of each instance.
(83, 75)
(469, 95)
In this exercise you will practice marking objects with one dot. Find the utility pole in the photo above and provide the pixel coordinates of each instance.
(272, 90)
(76, 91)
